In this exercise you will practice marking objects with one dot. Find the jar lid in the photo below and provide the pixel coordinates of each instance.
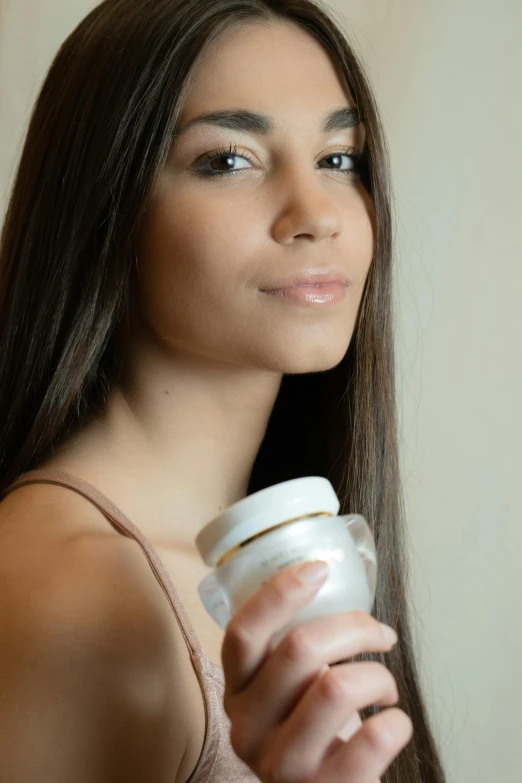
(264, 509)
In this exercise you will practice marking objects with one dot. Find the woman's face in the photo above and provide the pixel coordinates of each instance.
(212, 242)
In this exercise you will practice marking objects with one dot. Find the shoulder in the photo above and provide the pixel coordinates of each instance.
(59, 554)
(90, 678)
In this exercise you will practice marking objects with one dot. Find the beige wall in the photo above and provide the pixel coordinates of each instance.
(448, 78)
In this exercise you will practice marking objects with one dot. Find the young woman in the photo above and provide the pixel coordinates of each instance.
(187, 165)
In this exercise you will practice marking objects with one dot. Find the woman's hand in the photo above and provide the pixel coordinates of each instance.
(286, 706)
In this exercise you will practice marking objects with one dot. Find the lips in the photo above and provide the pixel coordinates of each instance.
(310, 295)
(310, 277)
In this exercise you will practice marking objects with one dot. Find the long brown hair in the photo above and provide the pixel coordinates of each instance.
(99, 134)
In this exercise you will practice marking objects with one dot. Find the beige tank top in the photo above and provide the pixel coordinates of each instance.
(218, 762)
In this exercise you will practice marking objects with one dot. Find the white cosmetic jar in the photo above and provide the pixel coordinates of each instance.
(292, 522)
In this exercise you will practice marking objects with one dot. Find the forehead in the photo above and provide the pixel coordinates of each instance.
(273, 67)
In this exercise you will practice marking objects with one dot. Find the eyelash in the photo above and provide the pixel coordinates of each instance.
(356, 155)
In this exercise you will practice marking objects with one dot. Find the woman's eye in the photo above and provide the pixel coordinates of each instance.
(225, 158)
(220, 157)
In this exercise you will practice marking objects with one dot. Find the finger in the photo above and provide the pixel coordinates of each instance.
(370, 752)
(298, 659)
(352, 725)
(299, 746)
(248, 634)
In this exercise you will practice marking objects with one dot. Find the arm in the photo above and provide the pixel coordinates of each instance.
(82, 662)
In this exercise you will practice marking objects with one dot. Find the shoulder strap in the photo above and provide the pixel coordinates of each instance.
(124, 525)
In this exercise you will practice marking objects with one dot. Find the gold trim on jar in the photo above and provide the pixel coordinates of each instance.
(237, 547)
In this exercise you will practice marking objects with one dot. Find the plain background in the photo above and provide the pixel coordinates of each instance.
(448, 79)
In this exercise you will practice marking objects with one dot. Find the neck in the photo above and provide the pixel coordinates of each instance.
(176, 443)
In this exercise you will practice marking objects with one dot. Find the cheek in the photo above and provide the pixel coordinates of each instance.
(170, 241)
(193, 237)
(166, 268)
(193, 261)
(360, 241)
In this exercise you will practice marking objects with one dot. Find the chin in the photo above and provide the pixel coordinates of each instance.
(301, 368)
(307, 359)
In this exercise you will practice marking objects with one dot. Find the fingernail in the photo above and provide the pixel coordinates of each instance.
(313, 573)
(389, 634)
(350, 728)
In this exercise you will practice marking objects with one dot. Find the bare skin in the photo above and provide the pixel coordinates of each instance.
(203, 368)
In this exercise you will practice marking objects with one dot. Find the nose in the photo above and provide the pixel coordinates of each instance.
(309, 210)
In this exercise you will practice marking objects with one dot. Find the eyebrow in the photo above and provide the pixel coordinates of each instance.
(255, 122)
